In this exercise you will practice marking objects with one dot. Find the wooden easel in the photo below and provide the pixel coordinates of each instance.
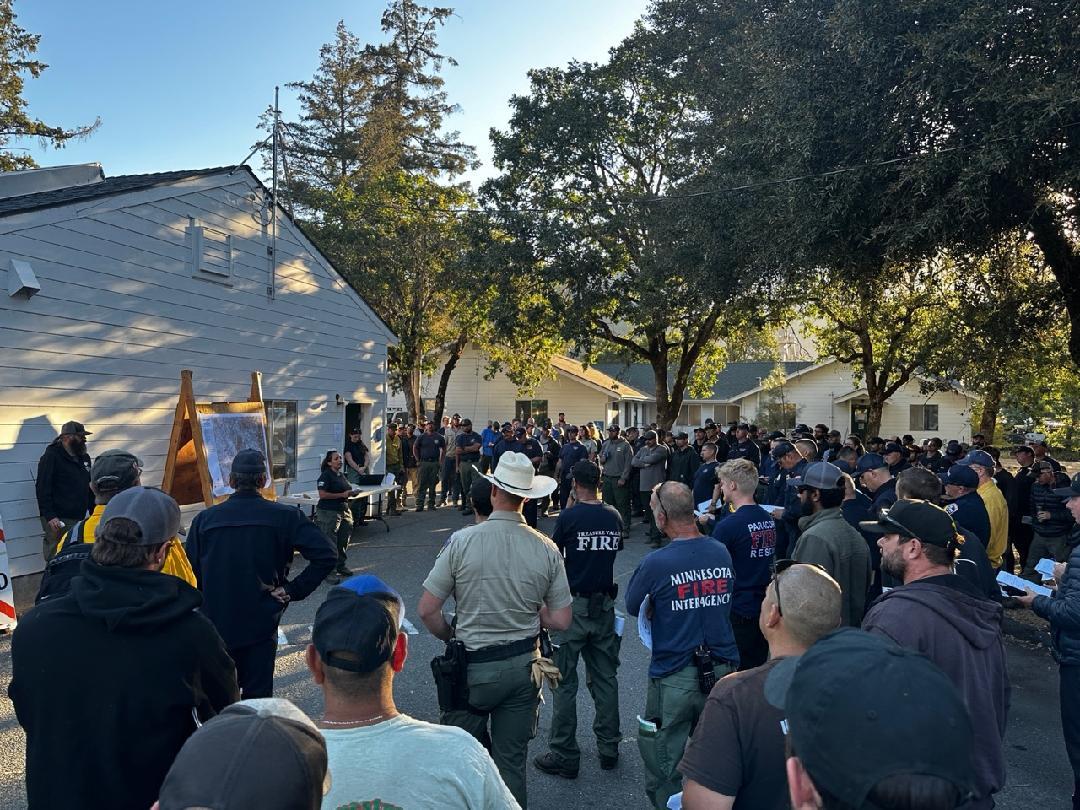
(187, 471)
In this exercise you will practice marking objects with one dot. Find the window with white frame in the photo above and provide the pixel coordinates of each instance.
(923, 417)
(690, 415)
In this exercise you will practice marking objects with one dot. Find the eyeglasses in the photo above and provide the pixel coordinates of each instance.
(779, 567)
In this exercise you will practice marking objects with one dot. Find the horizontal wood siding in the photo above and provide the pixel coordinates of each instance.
(120, 314)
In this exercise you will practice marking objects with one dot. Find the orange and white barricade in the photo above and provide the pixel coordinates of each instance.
(7, 593)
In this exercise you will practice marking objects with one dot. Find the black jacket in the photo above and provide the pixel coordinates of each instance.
(1062, 609)
(682, 464)
(105, 681)
(1043, 499)
(63, 484)
(948, 621)
(240, 550)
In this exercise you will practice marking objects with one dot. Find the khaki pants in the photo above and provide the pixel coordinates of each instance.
(502, 691)
(52, 537)
(592, 638)
(674, 703)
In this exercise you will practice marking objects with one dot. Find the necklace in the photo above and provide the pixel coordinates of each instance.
(352, 722)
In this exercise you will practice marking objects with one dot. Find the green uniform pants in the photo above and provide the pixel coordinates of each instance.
(504, 692)
(429, 479)
(619, 497)
(594, 639)
(674, 703)
(1042, 546)
(337, 526)
(468, 474)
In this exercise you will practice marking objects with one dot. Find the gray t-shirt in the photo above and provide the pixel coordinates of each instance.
(407, 763)
(500, 572)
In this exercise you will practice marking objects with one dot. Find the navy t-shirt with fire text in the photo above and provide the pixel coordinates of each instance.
(689, 584)
(589, 535)
(750, 535)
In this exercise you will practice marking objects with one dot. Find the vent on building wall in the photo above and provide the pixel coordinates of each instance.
(211, 256)
(22, 281)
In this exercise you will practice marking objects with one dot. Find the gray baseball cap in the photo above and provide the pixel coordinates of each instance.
(156, 514)
(114, 470)
(819, 475)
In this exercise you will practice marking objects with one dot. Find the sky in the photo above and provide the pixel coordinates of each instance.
(182, 85)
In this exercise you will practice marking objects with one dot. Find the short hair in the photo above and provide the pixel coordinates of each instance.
(741, 472)
(846, 453)
(359, 685)
(247, 482)
(935, 442)
(480, 497)
(119, 545)
(939, 555)
(511, 498)
(812, 601)
(1024, 449)
(918, 483)
(807, 448)
(677, 501)
(993, 451)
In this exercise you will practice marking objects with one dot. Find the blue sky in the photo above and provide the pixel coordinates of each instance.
(181, 85)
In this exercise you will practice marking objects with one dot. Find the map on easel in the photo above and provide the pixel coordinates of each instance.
(205, 438)
(228, 428)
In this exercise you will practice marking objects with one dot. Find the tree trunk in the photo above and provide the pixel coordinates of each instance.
(665, 415)
(414, 403)
(1064, 261)
(873, 416)
(455, 351)
(991, 406)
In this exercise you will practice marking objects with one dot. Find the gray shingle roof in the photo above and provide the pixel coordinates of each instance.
(121, 184)
(734, 379)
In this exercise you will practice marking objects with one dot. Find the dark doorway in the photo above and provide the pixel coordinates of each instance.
(860, 413)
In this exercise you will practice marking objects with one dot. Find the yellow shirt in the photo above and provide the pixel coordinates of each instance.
(176, 561)
(998, 511)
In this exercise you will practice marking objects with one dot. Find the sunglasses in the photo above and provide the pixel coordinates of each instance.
(779, 567)
(659, 500)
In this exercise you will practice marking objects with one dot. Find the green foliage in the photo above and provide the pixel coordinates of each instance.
(17, 49)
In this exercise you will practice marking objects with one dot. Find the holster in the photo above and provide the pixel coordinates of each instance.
(547, 648)
(451, 677)
(706, 675)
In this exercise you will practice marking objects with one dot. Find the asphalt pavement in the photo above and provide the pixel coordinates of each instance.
(1039, 774)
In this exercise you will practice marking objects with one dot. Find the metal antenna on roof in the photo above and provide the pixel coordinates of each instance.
(271, 287)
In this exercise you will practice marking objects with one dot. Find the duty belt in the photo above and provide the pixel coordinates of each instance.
(500, 652)
(609, 591)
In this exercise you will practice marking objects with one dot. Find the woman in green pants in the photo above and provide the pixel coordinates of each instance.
(332, 513)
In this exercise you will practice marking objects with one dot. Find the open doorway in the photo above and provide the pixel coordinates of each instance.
(355, 413)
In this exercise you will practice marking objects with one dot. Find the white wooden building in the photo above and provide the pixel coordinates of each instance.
(583, 394)
(115, 285)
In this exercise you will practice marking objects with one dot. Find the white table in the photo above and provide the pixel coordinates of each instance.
(311, 499)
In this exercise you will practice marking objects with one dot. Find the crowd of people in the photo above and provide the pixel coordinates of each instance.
(798, 585)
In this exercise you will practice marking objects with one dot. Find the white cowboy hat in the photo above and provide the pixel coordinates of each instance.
(515, 474)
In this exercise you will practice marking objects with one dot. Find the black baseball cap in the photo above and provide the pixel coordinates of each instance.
(893, 447)
(355, 429)
(115, 470)
(681, 435)
(962, 476)
(353, 628)
(914, 518)
(74, 429)
(249, 462)
(868, 462)
(587, 474)
(257, 753)
(860, 708)
(1071, 491)
(776, 434)
(782, 450)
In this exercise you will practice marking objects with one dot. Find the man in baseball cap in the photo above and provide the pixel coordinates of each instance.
(945, 617)
(996, 507)
(128, 643)
(965, 506)
(357, 649)
(62, 485)
(858, 729)
(263, 753)
(828, 540)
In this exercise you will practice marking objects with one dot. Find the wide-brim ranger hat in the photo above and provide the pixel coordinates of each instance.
(515, 474)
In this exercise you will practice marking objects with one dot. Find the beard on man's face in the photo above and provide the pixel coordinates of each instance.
(894, 564)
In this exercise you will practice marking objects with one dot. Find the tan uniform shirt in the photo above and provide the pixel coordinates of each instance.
(499, 572)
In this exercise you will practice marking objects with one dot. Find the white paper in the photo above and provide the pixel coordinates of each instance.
(675, 802)
(1013, 581)
(282, 639)
(770, 508)
(704, 505)
(620, 624)
(644, 626)
(388, 480)
(1046, 568)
